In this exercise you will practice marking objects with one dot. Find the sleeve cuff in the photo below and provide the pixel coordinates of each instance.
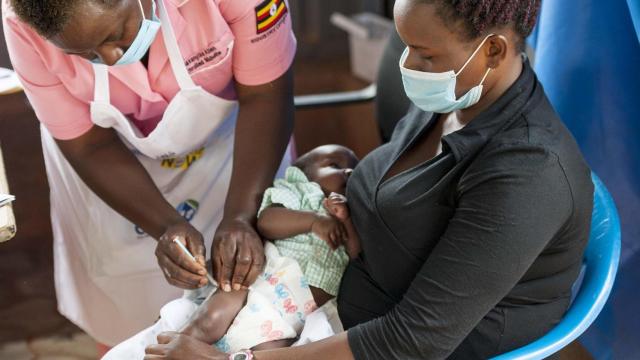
(354, 336)
(68, 132)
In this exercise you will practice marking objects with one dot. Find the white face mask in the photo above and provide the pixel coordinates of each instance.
(141, 44)
(436, 92)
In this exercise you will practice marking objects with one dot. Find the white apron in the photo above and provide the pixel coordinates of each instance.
(107, 278)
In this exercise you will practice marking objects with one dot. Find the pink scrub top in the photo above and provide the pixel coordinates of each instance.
(60, 87)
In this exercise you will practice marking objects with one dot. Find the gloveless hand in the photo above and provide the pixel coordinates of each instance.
(237, 254)
(176, 346)
(178, 268)
(329, 229)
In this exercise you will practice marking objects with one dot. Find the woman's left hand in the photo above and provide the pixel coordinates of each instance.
(176, 346)
(237, 254)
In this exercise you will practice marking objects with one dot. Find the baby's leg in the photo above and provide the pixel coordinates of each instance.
(320, 296)
(275, 344)
(213, 318)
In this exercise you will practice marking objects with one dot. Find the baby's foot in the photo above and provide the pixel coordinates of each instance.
(336, 205)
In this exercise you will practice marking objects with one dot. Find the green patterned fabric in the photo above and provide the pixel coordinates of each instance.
(321, 266)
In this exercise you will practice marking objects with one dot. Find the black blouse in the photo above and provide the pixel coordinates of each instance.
(474, 252)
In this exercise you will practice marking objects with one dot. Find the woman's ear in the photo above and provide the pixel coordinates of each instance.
(496, 49)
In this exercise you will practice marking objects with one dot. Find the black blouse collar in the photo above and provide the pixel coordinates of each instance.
(515, 101)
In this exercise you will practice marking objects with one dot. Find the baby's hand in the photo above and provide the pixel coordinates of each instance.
(336, 205)
(329, 229)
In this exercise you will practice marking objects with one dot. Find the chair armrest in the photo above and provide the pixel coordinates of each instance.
(338, 98)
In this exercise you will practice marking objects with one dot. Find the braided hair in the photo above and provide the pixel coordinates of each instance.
(479, 16)
(49, 17)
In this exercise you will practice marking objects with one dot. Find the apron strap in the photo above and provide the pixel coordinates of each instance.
(175, 58)
(101, 88)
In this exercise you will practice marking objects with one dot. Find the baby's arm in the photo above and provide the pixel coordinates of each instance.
(336, 205)
(276, 222)
(214, 317)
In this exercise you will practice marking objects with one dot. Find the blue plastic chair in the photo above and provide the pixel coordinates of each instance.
(601, 259)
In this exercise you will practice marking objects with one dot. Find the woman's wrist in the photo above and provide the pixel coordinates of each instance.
(246, 214)
(162, 222)
(242, 208)
(167, 220)
(242, 355)
(240, 217)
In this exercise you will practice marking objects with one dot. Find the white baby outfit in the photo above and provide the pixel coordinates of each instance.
(277, 307)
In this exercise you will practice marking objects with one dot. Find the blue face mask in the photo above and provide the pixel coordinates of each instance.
(436, 92)
(142, 42)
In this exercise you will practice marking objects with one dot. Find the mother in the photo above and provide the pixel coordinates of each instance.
(474, 217)
(137, 150)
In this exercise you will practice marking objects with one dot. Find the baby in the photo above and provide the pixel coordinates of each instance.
(306, 217)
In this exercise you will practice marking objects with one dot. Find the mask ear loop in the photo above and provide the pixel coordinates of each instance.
(142, 10)
(474, 54)
(485, 76)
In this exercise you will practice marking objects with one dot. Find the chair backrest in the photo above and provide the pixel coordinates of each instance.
(601, 258)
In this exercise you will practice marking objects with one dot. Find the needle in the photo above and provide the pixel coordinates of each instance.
(186, 252)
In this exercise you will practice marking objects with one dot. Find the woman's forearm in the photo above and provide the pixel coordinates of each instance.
(113, 173)
(335, 348)
(263, 129)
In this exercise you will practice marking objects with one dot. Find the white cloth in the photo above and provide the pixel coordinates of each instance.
(320, 324)
(106, 275)
(279, 306)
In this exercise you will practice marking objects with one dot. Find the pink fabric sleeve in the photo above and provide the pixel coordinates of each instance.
(62, 114)
(259, 55)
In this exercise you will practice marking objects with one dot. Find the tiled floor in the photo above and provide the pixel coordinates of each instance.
(76, 347)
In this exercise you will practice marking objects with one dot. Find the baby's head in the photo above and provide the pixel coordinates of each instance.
(329, 166)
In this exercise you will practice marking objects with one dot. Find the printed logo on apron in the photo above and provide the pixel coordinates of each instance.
(182, 163)
(188, 209)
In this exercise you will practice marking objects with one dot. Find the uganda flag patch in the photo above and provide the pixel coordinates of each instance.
(269, 13)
